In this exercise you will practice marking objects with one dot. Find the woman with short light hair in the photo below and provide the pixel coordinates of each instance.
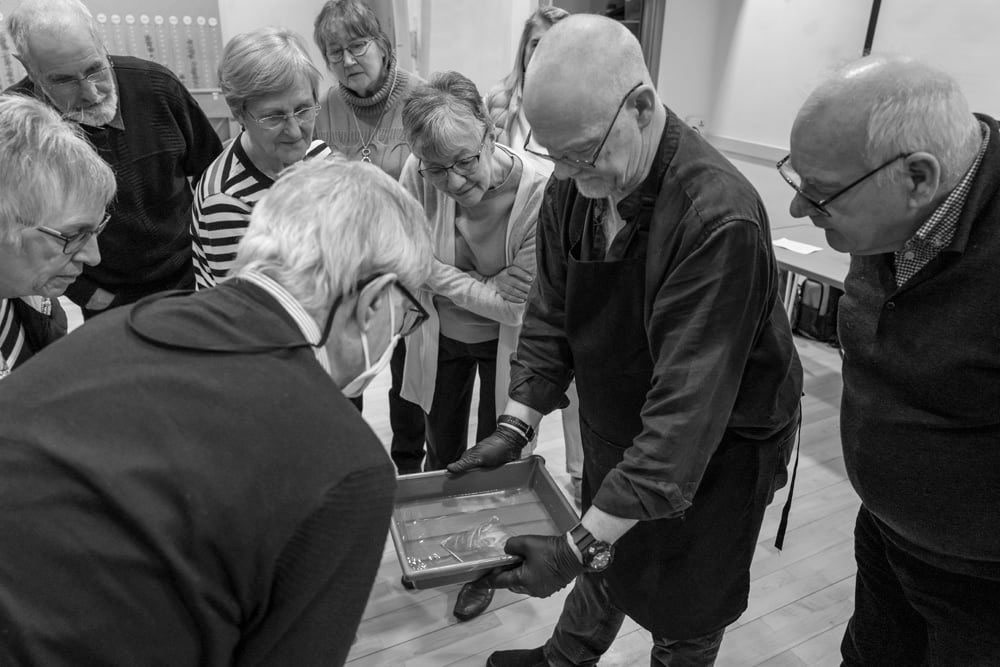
(54, 189)
(272, 89)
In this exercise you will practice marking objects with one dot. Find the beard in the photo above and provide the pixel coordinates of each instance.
(99, 114)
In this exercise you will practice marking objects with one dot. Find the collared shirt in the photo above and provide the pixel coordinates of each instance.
(938, 231)
(307, 325)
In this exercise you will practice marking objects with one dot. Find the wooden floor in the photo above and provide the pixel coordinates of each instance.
(800, 597)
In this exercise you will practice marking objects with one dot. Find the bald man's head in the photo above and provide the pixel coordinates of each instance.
(584, 66)
(876, 148)
(591, 104)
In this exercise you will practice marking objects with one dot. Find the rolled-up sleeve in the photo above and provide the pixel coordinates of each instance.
(703, 324)
(541, 368)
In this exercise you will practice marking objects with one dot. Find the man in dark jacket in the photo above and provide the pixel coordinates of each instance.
(144, 123)
(184, 482)
(888, 159)
(657, 289)
(54, 189)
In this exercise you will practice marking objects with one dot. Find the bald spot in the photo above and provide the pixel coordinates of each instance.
(581, 70)
(836, 114)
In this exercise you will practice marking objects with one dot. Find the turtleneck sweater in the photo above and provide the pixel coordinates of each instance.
(347, 121)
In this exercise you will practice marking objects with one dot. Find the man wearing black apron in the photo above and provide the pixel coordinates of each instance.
(657, 290)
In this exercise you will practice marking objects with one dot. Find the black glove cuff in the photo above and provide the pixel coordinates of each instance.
(566, 562)
(513, 438)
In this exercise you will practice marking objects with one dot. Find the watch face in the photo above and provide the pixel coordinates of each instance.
(598, 558)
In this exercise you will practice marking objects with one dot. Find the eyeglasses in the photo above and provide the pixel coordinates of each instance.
(277, 121)
(94, 78)
(73, 244)
(465, 166)
(589, 164)
(793, 178)
(413, 313)
(357, 49)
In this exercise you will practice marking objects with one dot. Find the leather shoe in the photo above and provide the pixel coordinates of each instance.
(532, 657)
(472, 600)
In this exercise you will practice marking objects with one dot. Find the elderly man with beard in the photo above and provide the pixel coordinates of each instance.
(144, 123)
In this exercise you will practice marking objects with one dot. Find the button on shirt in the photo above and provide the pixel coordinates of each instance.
(938, 231)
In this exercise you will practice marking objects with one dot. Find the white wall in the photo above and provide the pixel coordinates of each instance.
(476, 38)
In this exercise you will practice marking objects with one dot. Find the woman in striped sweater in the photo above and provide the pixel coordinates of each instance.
(272, 88)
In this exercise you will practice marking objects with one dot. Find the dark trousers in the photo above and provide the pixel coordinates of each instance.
(590, 622)
(406, 419)
(448, 420)
(908, 612)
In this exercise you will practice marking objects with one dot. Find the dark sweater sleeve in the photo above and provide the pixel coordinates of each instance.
(202, 140)
(324, 576)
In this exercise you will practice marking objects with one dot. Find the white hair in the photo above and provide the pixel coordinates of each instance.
(46, 164)
(327, 224)
(906, 106)
(33, 16)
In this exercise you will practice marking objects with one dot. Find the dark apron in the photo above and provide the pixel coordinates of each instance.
(679, 578)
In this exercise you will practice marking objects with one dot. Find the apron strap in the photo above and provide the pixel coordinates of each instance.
(779, 539)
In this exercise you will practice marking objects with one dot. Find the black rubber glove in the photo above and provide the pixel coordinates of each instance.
(502, 446)
(548, 564)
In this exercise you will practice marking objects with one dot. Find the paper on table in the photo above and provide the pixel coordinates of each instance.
(796, 246)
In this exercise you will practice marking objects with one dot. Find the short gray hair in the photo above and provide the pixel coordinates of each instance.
(326, 224)
(358, 21)
(46, 163)
(33, 16)
(267, 61)
(906, 106)
(436, 112)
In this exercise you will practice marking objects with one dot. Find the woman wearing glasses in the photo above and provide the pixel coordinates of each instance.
(55, 190)
(271, 86)
(481, 200)
(361, 118)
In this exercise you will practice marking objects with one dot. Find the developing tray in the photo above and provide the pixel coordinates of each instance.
(430, 507)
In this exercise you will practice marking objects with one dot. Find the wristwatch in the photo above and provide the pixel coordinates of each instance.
(597, 555)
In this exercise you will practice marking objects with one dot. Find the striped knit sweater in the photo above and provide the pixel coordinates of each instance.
(223, 201)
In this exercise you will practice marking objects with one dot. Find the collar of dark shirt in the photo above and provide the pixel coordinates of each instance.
(646, 194)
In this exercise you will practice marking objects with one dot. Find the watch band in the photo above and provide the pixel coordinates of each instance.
(596, 555)
(518, 425)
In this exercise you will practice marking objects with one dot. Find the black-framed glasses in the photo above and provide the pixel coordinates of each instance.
(73, 244)
(413, 313)
(96, 77)
(357, 48)
(793, 178)
(465, 166)
(277, 121)
(592, 162)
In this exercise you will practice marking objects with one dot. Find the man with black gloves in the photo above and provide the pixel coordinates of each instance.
(657, 289)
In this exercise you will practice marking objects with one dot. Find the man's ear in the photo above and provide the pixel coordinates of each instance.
(923, 179)
(645, 104)
(372, 298)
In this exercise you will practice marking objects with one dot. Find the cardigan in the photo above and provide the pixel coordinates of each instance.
(920, 413)
(464, 289)
(197, 492)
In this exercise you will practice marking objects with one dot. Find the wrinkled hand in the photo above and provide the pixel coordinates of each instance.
(548, 564)
(101, 299)
(502, 446)
(513, 284)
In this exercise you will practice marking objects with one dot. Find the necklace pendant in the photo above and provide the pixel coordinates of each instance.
(4, 371)
(366, 154)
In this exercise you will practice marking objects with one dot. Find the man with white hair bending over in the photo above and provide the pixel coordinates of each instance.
(144, 123)
(184, 482)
